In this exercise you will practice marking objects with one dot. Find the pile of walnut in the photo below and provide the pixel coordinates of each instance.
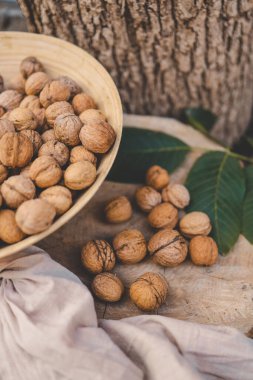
(168, 247)
(50, 133)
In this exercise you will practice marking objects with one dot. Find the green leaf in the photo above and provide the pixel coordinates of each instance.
(247, 220)
(141, 148)
(217, 186)
(201, 119)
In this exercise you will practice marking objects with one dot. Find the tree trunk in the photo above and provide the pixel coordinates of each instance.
(164, 55)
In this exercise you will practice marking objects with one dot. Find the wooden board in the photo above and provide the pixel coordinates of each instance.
(222, 294)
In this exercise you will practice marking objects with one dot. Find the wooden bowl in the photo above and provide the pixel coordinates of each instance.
(62, 58)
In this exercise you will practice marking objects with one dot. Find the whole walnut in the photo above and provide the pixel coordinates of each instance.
(10, 233)
(163, 215)
(6, 126)
(98, 138)
(36, 82)
(30, 65)
(35, 216)
(48, 136)
(176, 194)
(3, 173)
(67, 128)
(35, 138)
(81, 102)
(194, 223)
(118, 210)
(97, 256)
(32, 102)
(16, 190)
(74, 88)
(23, 118)
(54, 91)
(107, 287)
(10, 99)
(149, 291)
(55, 149)
(147, 198)
(57, 109)
(203, 250)
(17, 83)
(168, 248)
(45, 171)
(58, 196)
(157, 177)
(80, 153)
(80, 175)
(16, 150)
(92, 116)
(130, 246)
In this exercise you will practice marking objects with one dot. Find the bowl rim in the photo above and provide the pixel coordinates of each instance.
(9, 250)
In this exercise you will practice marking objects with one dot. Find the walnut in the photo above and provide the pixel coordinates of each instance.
(97, 256)
(203, 250)
(80, 153)
(58, 196)
(168, 248)
(17, 83)
(55, 149)
(26, 171)
(130, 246)
(81, 102)
(45, 171)
(118, 210)
(32, 102)
(23, 118)
(74, 88)
(195, 223)
(54, 91)
(149, 291)
(3, 173)
(30, 65)
(98, 138)
(57, 109)
(163, 215)
(92, 116)
(35, 216)
(35, 138)
(10, 233)
(10, 99)
(48, 136)
(157, 177)
(80, 175)
(16, 190)
(67, 128)
(147, 198)
(16, 150)
(6, 126)
(36, 82)
(107, 287)
(176, 194)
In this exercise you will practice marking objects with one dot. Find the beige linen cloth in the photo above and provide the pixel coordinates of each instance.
(49, 330)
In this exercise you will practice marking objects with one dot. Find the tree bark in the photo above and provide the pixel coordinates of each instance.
(164, 55)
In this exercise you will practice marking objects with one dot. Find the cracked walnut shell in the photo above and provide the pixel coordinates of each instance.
(195, 223)
(157, 177)
(107, 287)
(55, 149)
(67, 128)
(130, 246)
(97, 256)
(80, 175)
(163, 215)
(149, 291)
(98, 138)
(147, 198)
(45, 171)
(58, 196)
(16, 150)
(10, 233)
(16, 190)
(54, 91)
(23, 118)
(168, 248)
(30, 65)
(118, 210)
(80, 153)
(81, 102)
(203, 250)
(176, 194)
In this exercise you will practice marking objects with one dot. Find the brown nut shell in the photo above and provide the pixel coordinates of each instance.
(74, 88)
(147, 198)
(17, 83)
(30, 65)
(80, 175)
(35, 216)
(163, 215)
(118, 210)
(16, 190)
(54, 91)
(149, 291)
(16, 150)
(203, 250)
(6, 126)
(130, 246)
(45, 171)
(36, 82)
(67, 128)
(168, 248)
(80, 153)
(97, 256)
(48, 136)
(92, 117)
(32, 102)
(157, 177)
(10, 233)
(176, 194)
(195, 223)
(3, 173)
(55, 149)
(10, 99)
(56, 109)
(35, 139)
(98, 138)
(58, 196)
(81, 102)
(107, 287)
(23, 118)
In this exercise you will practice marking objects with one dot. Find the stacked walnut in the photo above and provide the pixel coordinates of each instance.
(163, 202)
(50, 133)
